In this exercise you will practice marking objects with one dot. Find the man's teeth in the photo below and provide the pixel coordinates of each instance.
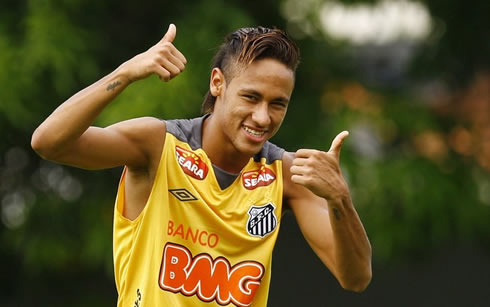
(254, 132)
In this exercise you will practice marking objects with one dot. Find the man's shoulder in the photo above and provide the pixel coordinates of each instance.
(186, 130)
(271, 152)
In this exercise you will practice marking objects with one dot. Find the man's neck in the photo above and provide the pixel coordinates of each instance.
(220, 151)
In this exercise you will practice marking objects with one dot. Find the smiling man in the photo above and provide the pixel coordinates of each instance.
(200, 200)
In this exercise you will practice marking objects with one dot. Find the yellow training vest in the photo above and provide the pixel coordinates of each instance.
(195, 244)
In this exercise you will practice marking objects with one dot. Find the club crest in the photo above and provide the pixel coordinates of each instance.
(262, 220)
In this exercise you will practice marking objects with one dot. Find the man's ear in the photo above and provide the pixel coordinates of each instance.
(217, 82)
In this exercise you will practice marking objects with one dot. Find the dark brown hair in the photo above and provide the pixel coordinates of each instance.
(247, 45)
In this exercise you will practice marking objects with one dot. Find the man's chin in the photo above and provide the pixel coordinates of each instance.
(251, 150)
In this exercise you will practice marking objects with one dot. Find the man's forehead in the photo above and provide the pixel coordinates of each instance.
(236, 68)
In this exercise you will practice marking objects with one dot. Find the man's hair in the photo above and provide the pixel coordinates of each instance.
(247, 45)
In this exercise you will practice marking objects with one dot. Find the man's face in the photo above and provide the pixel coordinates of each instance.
(252, 105)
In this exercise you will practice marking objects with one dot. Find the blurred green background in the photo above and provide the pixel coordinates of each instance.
(409, 79)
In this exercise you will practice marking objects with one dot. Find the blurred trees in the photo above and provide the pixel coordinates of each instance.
(417, 160)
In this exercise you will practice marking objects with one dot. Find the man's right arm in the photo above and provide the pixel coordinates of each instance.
(67, 137)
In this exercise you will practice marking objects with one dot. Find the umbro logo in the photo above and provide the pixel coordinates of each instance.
(182, 194)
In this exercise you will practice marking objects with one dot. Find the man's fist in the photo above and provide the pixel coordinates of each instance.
(162, 59)
(319, 171)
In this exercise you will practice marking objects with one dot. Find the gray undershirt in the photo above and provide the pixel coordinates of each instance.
(224, 178)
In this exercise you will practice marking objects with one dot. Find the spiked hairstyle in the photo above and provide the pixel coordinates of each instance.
(247, 45)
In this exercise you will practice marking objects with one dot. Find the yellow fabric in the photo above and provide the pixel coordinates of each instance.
(206, 246)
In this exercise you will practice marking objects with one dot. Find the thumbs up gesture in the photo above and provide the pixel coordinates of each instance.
(319, 171)
(163, 59)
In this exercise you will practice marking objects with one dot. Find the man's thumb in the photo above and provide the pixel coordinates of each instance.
(170, 35)
(337, 143)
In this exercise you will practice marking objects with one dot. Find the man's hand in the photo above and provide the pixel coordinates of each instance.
(162, 59)
(319, 171)
(328, 220)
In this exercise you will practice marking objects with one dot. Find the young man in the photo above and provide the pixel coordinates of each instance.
(200, 201)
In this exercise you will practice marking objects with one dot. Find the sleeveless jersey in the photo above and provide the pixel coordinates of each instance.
(196, 243)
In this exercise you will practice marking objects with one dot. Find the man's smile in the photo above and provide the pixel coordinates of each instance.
(256, 134)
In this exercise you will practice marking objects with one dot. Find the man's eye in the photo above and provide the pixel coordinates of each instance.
(250, 97)
(279, 104)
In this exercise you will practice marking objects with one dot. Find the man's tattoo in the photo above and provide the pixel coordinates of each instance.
(113, 85)
(336, 213)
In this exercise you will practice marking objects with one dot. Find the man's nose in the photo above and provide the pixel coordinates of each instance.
(261, 115)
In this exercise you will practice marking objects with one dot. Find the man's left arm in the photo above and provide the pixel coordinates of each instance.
(318, 195)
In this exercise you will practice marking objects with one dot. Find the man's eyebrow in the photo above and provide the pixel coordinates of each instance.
(251, 91)
(255, 93)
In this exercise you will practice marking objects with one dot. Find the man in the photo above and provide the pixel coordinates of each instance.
(199, 203)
